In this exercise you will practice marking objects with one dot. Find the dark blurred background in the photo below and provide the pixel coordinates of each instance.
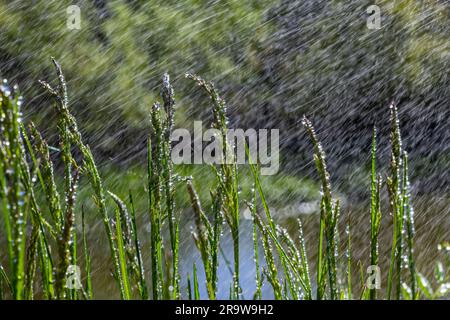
(273, 61)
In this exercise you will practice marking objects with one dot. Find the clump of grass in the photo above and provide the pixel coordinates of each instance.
(30, 198)
(161, 189)
(15, 201)
(258, 278)
(401, 211)
(329, 213)
(207, 239)
(226, 193)
(70, 134)
(375, 209)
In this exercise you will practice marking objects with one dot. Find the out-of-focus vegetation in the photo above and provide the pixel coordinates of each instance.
(276, 60)
(323, 60)
(121, 51)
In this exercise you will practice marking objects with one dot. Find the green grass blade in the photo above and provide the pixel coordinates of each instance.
(122, 259)
(87, 256)
(196, 291)
(143, 290)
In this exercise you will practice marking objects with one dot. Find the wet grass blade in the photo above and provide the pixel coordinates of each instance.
(410, 230)
(69, 131)
(349, 263)
(329, 213)
(196, 291)
(87, 257)
(395, 202)
(304, 262)
(252, 207)
(122, 259)
(143, 291)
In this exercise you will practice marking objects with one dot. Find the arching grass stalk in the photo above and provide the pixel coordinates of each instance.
(161, 190)
(304, 268)
(291, 286)
(270, 229)
(328, 215)
(271, 270)
(65, 225)
(15, 200)
(395, 204)
(68, 123)
(207, 238)
(168, 97)
(226, 173)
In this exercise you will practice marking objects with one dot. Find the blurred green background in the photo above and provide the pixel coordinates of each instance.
(273, 61)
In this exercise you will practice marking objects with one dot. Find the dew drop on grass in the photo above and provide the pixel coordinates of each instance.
(5, 88)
